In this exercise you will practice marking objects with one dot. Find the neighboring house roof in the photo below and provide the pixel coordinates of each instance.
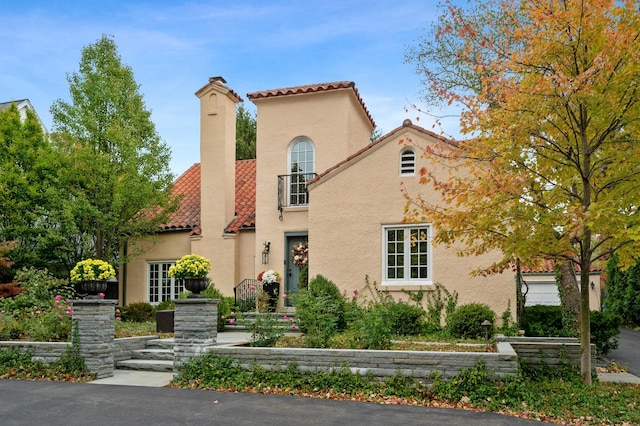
(187, 217)
(23, 105)
(245, 216)
(548, 267)
(372, 147)
(312, 88)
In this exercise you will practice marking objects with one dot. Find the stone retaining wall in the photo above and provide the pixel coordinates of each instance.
(46, 352)
(415, 364)
(551, 351)
(50, 352)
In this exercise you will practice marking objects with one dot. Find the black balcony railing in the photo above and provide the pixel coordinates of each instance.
(292, 190)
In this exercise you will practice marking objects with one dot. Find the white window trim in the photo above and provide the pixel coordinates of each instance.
(290, 149)
(290, 172)
(407, 281)
(148, 284)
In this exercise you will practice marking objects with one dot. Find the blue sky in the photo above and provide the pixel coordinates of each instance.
(173, 48)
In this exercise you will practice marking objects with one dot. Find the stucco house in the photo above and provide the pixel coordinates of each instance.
(317, 178)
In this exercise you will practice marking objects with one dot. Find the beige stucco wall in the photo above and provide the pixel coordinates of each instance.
(217, 180)
(167, 246)
(595, 292)
(346, 216)
(337, 126)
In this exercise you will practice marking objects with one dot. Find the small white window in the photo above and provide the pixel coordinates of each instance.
(160, 285)
(407, 162)
(407, 254)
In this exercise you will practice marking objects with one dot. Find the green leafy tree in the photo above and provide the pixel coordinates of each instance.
(113, 162)
(623, 292)
(28, 193)
(245, 134)
(550, 95)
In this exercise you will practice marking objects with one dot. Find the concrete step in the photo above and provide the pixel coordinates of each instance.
(145, 365)
(153, 354)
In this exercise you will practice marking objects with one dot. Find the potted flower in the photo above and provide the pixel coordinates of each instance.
(91, 276)
(192, 270)
(271, 285)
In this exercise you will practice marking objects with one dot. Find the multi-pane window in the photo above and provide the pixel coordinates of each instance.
(301, 168)
(407, 254)
(407, 162)
(161, 286)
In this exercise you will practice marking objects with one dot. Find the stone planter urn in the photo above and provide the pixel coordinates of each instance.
(93, 288)
(273, 290)
(195, 286)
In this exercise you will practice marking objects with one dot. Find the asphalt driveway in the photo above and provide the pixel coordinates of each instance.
(59, 403)
(628, 352)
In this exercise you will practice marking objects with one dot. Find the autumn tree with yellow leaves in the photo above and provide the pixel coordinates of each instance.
(550, 99)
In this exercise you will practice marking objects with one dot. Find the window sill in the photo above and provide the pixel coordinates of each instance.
(297, 208)
(408, 285)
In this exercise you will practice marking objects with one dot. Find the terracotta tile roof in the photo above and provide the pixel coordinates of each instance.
(220, 82)
(375, 144)
(187, 217)
(245, 196)
(188, 214)
(312, 88)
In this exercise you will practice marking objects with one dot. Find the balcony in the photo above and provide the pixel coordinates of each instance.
(292, 190)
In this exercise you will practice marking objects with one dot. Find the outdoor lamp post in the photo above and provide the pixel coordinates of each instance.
(486, 325)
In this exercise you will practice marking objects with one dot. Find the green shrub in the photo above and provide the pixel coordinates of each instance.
(544, 321)
(224, 306)
(265, 330)
(373, 331)
(466, 321)
(439, 300)
(166, 305)
(605, 327)
(319, 318)
(404, 319)
(10, 327)
(138, 312)
(303, 277)
(320, 311)
(40, 289)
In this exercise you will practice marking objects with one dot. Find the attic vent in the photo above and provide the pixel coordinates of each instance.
(407, 162)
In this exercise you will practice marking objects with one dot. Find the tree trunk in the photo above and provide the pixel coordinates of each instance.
(569, 294)
(585, 323)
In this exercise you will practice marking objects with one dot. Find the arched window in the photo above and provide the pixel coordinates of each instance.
(407, 162)
(301, 169)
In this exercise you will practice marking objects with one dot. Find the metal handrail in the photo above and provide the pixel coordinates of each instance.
(245, 293)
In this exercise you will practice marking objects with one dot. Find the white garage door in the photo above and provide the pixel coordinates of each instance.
(542, 293)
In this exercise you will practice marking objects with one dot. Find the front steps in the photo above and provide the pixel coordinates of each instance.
(157, 356)
(158, 353)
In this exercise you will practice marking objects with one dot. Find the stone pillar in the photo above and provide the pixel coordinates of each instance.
(194, 329)
(94, 320)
